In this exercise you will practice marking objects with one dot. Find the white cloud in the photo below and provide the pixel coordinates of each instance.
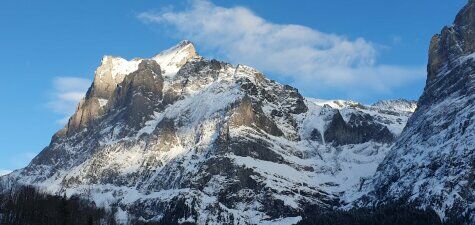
(67, 92)
(311, 59)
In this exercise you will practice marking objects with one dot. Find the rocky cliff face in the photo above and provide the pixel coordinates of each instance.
(432, 164)
(182, 138)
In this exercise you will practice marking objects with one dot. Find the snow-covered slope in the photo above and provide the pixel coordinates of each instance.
(182, 138)
(432, 165)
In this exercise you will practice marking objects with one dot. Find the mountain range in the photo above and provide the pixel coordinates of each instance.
(179, 137)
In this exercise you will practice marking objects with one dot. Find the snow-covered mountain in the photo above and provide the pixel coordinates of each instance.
(432, 164)
(178, 137)
(181, 138)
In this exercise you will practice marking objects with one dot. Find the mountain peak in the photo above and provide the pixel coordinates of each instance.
(184, 43)
(113, 70)
(466, 15)
(227, 132)
(453, 42)
(174, 58)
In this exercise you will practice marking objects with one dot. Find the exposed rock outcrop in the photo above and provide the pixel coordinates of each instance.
(432, 163)
(180, 133)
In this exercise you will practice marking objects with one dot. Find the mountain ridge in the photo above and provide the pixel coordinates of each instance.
(224, 142)
(180, 138)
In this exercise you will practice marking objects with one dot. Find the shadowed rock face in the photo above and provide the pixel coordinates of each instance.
(87, 110)
(180, 133)
(245, 114)
(432, 163)
(110, 73)
(453, 42)
(139, 94)
(359, 129)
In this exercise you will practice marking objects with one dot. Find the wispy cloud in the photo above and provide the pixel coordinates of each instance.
(67, 92)
(312, 60)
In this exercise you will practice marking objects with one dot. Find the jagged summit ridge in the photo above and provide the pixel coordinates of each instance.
(181, 138)
(398, 104)
(112, 72)
(174, 58)
(223, 142)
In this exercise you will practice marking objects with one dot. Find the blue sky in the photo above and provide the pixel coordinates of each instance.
(362, 50)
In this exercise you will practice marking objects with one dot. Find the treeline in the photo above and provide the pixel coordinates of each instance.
(391, 214)
(27, 206)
